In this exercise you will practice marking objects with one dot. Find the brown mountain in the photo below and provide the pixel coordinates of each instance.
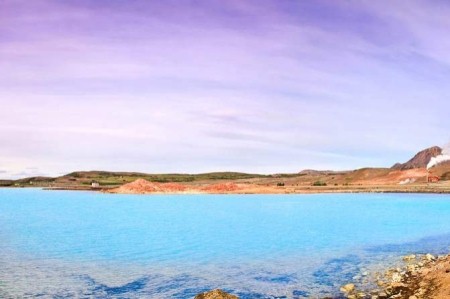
(420, 160)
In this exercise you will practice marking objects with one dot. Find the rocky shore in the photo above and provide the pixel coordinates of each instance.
(420, 277)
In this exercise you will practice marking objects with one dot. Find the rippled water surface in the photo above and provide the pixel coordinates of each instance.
(62, 244)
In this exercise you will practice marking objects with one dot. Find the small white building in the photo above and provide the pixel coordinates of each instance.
(95, 184)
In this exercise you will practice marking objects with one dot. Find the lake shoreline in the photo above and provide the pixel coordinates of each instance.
(301, 191)
(422, 276)
(142, 186)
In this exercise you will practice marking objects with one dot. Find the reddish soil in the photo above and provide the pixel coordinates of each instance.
(436, 277)
(396, 177)
(219, 188)
(362, 180)
(141, 186)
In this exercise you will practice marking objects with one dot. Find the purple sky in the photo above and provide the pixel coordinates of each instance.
(193, 86)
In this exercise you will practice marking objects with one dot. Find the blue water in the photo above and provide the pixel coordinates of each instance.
(63, 244)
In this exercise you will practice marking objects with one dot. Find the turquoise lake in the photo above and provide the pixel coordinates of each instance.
(67, 244)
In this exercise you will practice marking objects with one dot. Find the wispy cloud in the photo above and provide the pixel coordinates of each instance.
(244, 85)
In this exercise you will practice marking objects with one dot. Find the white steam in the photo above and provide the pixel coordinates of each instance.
(407, 181)
(445, 156)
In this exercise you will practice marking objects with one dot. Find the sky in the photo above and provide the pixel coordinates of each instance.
(264, 86)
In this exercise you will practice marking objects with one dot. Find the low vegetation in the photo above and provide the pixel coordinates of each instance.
(292, 182)
(6, 183)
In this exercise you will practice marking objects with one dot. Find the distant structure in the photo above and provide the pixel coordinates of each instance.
(432, 179)
(95, 184)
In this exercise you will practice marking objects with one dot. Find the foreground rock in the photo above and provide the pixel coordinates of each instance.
(348, 288)
(215, 294)
(422, 277)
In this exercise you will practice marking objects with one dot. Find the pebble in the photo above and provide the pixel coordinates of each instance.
(360, 294)
(396, 277)
(409, 258)
(348, 288)
(215, 294)
(411, 268)
(429, 257)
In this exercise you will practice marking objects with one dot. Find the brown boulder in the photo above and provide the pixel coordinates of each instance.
(215, 294)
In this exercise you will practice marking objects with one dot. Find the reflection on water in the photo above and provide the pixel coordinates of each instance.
(87, 245)
(56, 279)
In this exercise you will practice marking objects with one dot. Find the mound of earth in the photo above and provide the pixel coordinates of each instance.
(141, 186)
(386, 176)
(442, 170)
(420, 160)
(401, 177)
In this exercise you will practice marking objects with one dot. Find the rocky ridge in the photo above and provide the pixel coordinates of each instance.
(420, 160)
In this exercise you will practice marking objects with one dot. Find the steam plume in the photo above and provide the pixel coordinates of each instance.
(444, 156)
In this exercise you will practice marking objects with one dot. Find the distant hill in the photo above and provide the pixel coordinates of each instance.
(6, 183)
(162, 178)
(83, 179)
(420, 160)
(413, 171)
